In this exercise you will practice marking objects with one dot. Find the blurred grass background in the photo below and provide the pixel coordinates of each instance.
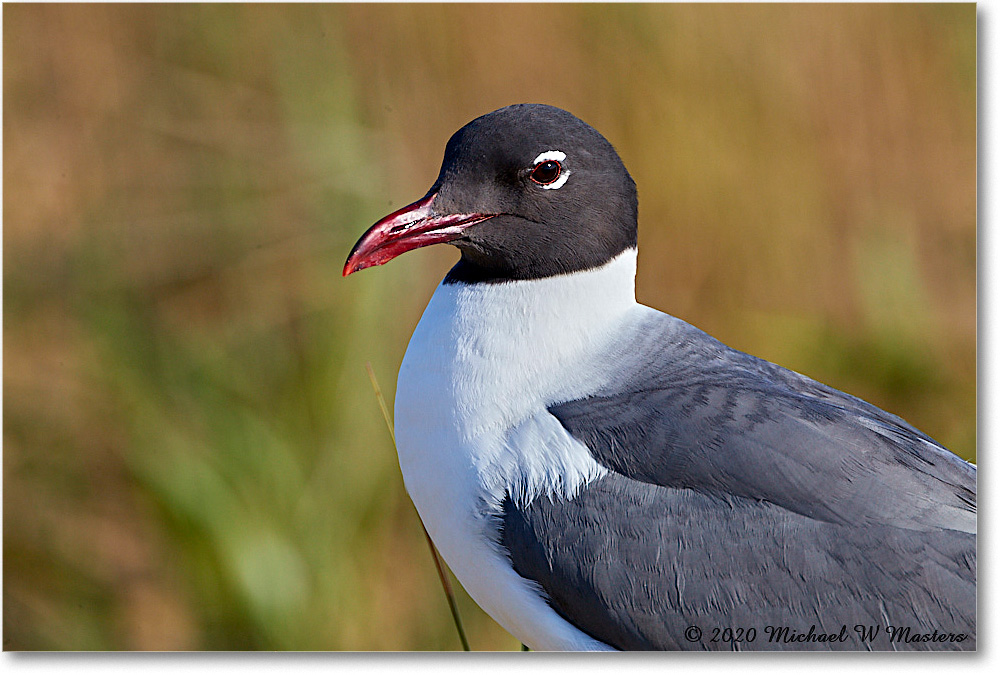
(193, 457)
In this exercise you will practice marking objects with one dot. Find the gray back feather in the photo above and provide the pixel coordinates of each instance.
(744, 494)
(687, 411)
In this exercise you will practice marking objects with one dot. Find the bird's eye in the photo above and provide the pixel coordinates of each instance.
(547, 172)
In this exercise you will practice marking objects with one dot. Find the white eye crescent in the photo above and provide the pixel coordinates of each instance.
(549, 172)
(557, 155)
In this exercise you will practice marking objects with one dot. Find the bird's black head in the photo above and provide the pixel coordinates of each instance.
(525, 192)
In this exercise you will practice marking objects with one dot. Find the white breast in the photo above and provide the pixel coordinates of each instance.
(482, 366)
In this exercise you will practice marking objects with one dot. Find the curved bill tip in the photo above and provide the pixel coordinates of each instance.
(412, 226)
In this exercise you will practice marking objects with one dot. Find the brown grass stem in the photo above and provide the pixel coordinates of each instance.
(442, 574)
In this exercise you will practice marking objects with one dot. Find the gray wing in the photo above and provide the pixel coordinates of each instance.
(687, 411)
(637, 565)
(741, 490)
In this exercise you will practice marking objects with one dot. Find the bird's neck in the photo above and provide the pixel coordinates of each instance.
(504, 348)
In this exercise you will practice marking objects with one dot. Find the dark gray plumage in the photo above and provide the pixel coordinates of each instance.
(742, 494)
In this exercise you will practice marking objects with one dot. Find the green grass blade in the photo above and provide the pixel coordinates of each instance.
(442, 575)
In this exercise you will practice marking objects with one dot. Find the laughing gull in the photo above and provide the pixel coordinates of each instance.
(601, 475)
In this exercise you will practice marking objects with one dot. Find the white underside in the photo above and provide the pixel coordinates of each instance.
(482, 366)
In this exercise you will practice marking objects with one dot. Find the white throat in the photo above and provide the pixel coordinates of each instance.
(500, 349)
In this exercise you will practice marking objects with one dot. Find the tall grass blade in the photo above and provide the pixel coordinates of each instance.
(445, 583)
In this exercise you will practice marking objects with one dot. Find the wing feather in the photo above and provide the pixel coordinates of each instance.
(744, 494)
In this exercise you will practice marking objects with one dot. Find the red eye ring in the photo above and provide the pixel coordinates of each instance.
(547, 172)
